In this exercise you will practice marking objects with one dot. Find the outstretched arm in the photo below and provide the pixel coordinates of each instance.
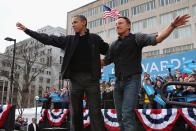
(178, 21)
(46, 39)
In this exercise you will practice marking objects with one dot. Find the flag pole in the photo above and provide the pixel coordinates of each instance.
(104, 22)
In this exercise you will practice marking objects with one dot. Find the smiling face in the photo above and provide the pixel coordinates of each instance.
(122, 26)
(78, 24)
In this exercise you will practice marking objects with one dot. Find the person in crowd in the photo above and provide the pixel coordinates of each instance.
(177, 74)
(108, 97)
(148, 102)
(65, 97)
(82, 65)
(158, 85)
(126, 53)
(33, 126)
(46, 100)
(17, 124)
(55, 98)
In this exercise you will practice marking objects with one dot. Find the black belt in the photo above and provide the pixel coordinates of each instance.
(124, 78)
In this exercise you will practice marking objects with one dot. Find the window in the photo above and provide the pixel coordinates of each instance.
(167, 2)
(34, 70)
(40, 90)
(5, 85)
(151, 53)
(112, 33)
(110, 19)
(1, 85)
(170, 16)
(50, 51)
(42, 60)
(123, 1)
(47, 88)
(95, 23)
(92, 11)
(112, 3)
(148, 6)
(40, 79)
(194, 10)
(142, 24)
(177, 49)
(48, 72)
(4, 73)
(125, 13)
(49, 61)
(6, 64)
(42, 53)
(102, 34)
(181, 32)
(61, 60)
(48, 81)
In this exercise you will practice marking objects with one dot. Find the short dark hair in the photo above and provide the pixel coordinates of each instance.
(82, 17)
(126, 19)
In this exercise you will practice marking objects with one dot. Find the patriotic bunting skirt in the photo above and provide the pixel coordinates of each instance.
(151, 119)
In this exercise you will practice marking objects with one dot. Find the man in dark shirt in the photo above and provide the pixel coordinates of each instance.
(126, 53)
(33, 126)
(81, 64)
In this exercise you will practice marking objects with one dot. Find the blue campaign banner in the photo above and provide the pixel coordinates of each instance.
(159, 66)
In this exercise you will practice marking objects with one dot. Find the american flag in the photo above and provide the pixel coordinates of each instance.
(108, 12)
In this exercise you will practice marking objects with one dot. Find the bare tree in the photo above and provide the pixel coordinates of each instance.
(27, 68)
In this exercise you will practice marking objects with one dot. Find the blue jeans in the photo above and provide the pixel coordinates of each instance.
(126, 100)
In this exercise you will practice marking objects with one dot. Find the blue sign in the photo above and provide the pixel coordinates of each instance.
(160, 66)
(108, 72)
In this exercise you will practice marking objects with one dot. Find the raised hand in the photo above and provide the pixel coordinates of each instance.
(180, 20)
(20, 26)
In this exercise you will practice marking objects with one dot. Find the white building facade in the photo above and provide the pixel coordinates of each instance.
(147, 16)
(47, 62)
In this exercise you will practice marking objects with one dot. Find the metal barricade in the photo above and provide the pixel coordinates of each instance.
(184, 104)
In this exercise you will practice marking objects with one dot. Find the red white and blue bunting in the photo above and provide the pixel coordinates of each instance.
(151, 119)
(43, 114)
(55, 117)
(158, 119)
(189, 114)
(4, 111)
(86, 118)
(110, 119)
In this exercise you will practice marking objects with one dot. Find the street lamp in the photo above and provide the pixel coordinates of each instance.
(36, 103)
(12, 68)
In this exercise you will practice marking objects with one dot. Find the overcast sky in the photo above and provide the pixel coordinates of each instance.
(34, 14)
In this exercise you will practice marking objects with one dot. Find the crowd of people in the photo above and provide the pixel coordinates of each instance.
(60, 98)
(56, 98)
(173, 92)
(21, 124)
